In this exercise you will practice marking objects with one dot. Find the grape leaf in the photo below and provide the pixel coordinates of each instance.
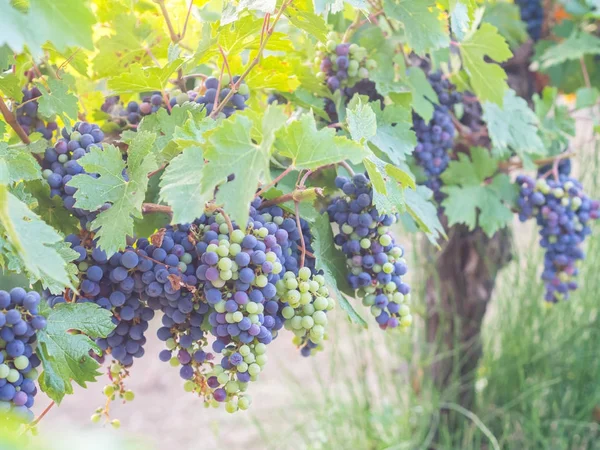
(394, 136)
(17, 164)
(586, 97)
(487, 79)
(64, 354)
(557, 123)
(475, 195)
(423, 95)
(51, 210)
(302, 15)
(32, 240)
(193, 131)
(140, 79)
(574, 47)
(506, 17)
(231, 151)
(310, 148)
(126, 195)
(362, 122)
(63, 22)
(461, 13)
(10, 85)
(332, 262)
(422, 25)
(423, 211)
(512, 126)
(180, 186)
(57, 100)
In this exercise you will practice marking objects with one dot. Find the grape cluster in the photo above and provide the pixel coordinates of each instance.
(376, 265)
(563, 212)
(532, 13)
(114, 284)
(306, 301)
(60, 164)
(341, 64)
(209, 95)
(29, 117)
(436, 137)
(19, 322)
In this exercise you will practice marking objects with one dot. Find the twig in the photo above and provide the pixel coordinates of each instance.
(165, 13)
(219, 85)
(227, 219)
(187, 18)
(10, 119)
(305, 177)
(151, 174)
(538, 162)
(166, 100)
(41, 416)
(309, 254)
(226, 63)
(274, 182)
(586, 75)
(195, 75)
(151, 55)
(346, 166)
(302, 243)
(151, 208)
(66, 62)
(353, 26)
(269, 31)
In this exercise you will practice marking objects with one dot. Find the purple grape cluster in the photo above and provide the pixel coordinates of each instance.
(19, 322)
(60, 165)
(237, 101)
(375, 263)
(342, 64)
(436, 137)
(114, 284)
(28, 115)
(563, 212)
(532, 13)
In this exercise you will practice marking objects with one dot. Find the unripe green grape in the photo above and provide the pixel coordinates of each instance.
(308, 309)
(83, 266)
(220, 306)
(293, 297)
(254, 369)
(288, 312)
(237, 316)
(271, 256)
(404, 310)
(398, 297)
(32, 374)
(222, 378)
(75, 136)
(212, 248)
(13, 375)
(189, 386)
(260, 348)
(224, 263)
(174, 362)
(305, 298)
(277, 268)
(244, 403)
(303, 287)
(371, 64)
(299, 333)
(388, 268)
(21, 362)
(304, 273)
(363, 73)
(237, 236)
(307, 322)
(318, 330)
(320, 318)
(226, 79)
(95, 418)
(375, 311)
(347, 229)
(232, 387)
(253, 318)
(406, 321)
(229, 317)
(261, 360)
(116, 423)
(251, 308)
(109, 390)
(331, 304)
(234, 249)
(385, 240)
(331, 45)
(129, 395)
(250, 358)
(170, 344)
(231, 407)
(320, 279)
(244, 350)
(296, 322)
(365, 243)
(182, 266)
(261, 281)
(291, 283)
(320, 303)
(46, 173)
(323, 291)
(314, 286)
(242, 367)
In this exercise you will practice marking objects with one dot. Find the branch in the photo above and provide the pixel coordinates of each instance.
(274, 182)
(346, 166)
(269, 31)
(508, 165)
(10, 119)
(302, 243)
(165, 13)
(227, 219)
(187, 18)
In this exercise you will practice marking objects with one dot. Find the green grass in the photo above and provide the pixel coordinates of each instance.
(538, 383)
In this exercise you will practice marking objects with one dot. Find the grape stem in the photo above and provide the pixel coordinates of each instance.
(10, 119)
(538, 162)
(151, 174)
(275, 181)
(266, 33)
(359, 23)
(227, 219)
(226, 62)
(41, 416)
(346, 166)
(216, 102)
(298, 225)
(151, 208)
(586, 75)
(187, 18)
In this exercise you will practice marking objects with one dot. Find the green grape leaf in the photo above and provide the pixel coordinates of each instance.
(476, 194)
(165, 125)
(332, 262)
(232, 151)
(461, 14)
(557, 123)
(487, 79)
(512, 126)
(180, 186)
(125, 195)
(193, 132)
(575, 47)
(506, 17)
(394, 136)
(424, 213)
(51, 210)
(309, 148)
(57, 100)
(362, 122)
(423, 95)
(388, 197)
(32, 240)
(10, 85)
(140, 79)
(63, 22)
(586, 97)
(17, 164)
(64, 354)
(301, 14)
(422, 25)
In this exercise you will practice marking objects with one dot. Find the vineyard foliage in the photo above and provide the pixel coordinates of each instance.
(235, 167)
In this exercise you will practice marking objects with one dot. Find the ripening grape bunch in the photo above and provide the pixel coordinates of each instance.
(19, 322)
(29, 117)
(60, 164)
(374, 262)
(532, 13)
(436, 137)
(207, 95)
(341, 64)
(563, 213)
